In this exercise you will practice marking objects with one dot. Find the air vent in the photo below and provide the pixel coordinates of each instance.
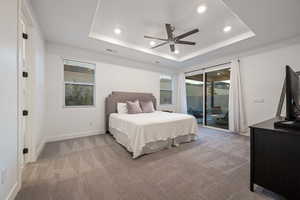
(111, 50)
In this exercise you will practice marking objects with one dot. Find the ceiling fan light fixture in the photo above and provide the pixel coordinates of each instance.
(227, 29)
(176, 51)
(172, 40)
(201, 9)
(117, 31)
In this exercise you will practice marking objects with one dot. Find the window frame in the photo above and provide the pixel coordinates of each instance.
(172, 90)
(78, 83)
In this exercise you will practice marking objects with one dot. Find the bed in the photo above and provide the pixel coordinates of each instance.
(146, 133)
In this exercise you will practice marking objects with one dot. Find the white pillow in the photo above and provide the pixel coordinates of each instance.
(122, 108)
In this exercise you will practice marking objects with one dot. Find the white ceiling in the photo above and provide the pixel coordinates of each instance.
(137, 18)
(71, 22)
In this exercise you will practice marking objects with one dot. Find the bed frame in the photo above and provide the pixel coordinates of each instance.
(121, 97)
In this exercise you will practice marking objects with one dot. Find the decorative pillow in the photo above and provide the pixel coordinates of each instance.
(134, 107)
(122, 108)
(147, 106)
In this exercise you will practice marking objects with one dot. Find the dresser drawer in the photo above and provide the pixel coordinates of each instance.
(276, 161)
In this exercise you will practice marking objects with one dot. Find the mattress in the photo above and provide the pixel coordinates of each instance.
(146, 128)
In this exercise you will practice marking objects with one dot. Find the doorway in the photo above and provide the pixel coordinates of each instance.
(217, 98)
(208, 97)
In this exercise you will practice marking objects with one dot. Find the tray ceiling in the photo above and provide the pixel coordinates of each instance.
(69, 22)
(125, 23)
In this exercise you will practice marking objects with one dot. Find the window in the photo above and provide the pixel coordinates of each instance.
(79, 82)
(166, 90)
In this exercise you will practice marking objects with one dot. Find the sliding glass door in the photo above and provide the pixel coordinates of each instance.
(217, 98)
(208, 97)
(194, 91)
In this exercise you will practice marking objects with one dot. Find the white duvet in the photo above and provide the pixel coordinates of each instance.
(149, 127)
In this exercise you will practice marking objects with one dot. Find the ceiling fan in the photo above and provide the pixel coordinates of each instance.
(172, 40)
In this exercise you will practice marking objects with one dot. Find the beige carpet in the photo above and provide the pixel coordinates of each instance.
(216, 167)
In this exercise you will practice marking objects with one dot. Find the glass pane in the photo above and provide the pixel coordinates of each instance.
(217, 98)
(166, 83)
(194, 92)
(165, 97)
(79, 95)
(79, 72)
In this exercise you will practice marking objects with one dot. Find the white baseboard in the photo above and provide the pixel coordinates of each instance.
(245, 134)
(73, 135)
(39, 150)
(13, 192)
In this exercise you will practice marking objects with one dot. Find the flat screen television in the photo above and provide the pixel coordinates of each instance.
(292, 95)
(292, 119)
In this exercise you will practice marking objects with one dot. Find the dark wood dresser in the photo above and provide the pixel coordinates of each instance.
(275, 159)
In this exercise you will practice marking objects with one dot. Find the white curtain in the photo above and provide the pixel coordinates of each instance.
(237, 116)
(181, 105)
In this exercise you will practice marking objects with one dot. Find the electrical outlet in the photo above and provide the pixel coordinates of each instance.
(259, 100)
(3, 176)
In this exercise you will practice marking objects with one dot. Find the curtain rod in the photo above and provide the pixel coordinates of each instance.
(226, 63)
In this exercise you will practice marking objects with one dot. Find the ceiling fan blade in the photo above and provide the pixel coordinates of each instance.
(172, 47)
(155, 38)
(186, 34)
(169, 31)
(185, 42)
(161, 44)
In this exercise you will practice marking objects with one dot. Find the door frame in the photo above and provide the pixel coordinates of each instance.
(203, 72)
(25, 16)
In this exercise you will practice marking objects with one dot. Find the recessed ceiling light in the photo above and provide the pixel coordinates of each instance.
(152, 43)
(227, 29)
(117, 31)
(201, 9)
(176, 51)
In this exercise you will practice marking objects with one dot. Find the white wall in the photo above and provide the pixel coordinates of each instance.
(262, 74)
(8, 98)
(262, 78)
(71, 122)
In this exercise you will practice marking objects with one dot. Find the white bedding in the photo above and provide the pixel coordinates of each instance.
(143, 128)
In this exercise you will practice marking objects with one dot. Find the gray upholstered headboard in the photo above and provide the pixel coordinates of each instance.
(121, 97)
